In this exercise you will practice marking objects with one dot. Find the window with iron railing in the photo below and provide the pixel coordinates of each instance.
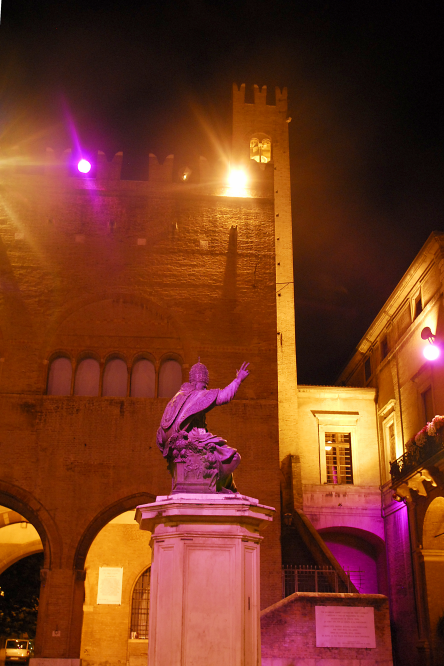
(338, 457)
(140, 606)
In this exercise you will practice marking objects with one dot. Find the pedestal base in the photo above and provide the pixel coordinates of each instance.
(204, 601)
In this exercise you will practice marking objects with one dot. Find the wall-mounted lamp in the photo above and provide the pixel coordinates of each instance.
(431, 352)
(84, 166)
(185, 174)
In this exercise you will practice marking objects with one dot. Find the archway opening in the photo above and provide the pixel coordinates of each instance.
(433, 554)
(360, 554)
(116, 607)
(21, 559)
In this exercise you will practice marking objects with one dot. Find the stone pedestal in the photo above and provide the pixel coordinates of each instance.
(205, 590)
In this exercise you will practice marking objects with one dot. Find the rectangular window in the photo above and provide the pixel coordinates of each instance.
(367, 368)
(338, 457)
(417, 306)
(427, 403)
(384, 348)
(392, 441)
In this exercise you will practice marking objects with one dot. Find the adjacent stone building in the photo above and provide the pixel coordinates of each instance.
(409, 393)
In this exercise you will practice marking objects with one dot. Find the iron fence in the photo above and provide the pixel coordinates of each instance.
(300, 578)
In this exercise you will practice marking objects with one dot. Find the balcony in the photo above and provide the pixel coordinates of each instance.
(415, 456)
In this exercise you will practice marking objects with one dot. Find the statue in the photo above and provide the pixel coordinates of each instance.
(199, 461)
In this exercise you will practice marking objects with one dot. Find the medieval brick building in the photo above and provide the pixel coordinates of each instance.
(111, 290)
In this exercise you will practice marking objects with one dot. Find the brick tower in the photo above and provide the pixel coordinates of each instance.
(260, 133)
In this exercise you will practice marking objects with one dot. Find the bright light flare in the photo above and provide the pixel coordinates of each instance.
(237, 179)
(431, 352)
(84, 166)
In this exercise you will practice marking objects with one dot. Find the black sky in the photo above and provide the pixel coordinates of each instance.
(367, 151)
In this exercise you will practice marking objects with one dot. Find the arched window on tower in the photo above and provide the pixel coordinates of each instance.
(140, 606)
(143, 379)
(115, 379)
(260, 150)
(59, 376)
(170, 378)
(87, 378)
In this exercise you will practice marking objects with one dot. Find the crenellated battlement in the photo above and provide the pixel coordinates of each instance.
(196, 175)
(260, 96)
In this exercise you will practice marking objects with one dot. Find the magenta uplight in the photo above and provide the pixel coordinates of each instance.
(431, 352)
(84, 166)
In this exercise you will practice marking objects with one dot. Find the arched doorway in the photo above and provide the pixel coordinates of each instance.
(21, 559)
(362, 554)
(116, 568)
(433, 554)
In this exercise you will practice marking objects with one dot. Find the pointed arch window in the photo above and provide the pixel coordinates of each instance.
(140, 606)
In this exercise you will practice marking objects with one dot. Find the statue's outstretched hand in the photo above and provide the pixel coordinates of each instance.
(243, 372)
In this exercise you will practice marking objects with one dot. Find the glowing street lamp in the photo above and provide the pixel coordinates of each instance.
(84, 166)
(431, 352)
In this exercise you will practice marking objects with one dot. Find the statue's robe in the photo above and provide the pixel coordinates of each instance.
(186, 413)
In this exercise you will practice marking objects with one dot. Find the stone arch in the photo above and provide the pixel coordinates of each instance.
(29, 507)
(433, 528)
(77, 322)
(101, 519)
(159, 312)
(20, 552)
(112, 539)
(355, 549)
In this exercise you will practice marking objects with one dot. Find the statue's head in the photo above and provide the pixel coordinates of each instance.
(199, 375)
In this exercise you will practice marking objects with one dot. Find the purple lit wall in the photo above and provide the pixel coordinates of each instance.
(354, 559)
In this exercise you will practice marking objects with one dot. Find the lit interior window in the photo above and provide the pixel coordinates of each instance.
(260, 151)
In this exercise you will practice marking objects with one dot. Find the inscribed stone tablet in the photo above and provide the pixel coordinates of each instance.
(110, 585)
(349, 627)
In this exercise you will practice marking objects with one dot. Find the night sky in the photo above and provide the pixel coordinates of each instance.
(367, 153)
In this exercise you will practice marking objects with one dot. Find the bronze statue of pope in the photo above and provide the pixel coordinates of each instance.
(198, 460)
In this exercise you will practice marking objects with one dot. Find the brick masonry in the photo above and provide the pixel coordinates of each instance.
(288, 632)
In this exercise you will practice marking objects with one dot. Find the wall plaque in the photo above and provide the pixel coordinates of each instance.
(109, 590)
(352, 627)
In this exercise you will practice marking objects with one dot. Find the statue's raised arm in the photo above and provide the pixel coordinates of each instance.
(228, 393)
(199, 461)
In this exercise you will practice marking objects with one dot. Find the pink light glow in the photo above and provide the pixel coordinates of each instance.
(84, 166)
(431, 352)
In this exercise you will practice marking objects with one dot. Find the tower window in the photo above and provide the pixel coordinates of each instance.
(338, 457)
(260, 150)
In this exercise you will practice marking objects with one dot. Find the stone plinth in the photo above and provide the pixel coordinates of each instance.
(204, 601)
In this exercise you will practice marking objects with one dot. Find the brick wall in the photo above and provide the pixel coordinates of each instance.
(75, 280)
